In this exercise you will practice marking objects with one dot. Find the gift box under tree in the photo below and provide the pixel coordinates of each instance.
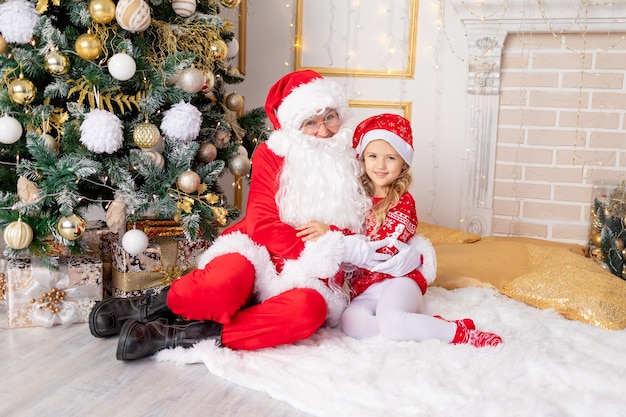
(40, 296)
(165, 259)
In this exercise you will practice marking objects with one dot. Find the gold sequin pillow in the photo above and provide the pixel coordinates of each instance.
(573, 285)
(440, 234)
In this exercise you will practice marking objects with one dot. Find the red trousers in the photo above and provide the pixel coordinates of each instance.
(222, 291)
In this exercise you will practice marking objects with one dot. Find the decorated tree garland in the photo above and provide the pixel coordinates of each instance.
(608, 231)
(121, 105)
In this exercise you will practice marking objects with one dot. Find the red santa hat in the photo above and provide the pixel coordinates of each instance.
(300, 95)
(394, 129)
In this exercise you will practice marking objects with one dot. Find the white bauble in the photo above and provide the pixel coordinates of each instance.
(102, 131)
(135, 241)
(184, 8)
(122, 66)
(133, 15)
(233, 48)
(18, 20)
(10, 130)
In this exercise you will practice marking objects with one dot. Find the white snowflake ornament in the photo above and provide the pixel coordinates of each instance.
(101, 131)
(182, 122)
(18, 19)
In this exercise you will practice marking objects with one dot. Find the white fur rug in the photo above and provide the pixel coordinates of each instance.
(547, 366)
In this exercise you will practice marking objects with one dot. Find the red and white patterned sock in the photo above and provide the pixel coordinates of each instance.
(477, 338)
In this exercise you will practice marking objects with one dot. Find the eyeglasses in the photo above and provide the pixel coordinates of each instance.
(312, 126)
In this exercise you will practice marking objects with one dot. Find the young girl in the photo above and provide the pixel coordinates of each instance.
(381, 303)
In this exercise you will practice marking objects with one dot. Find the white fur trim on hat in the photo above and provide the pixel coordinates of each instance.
(309, 99)
(404, 149)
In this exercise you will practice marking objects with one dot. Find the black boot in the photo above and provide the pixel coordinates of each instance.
(138, 339)
(108, 316)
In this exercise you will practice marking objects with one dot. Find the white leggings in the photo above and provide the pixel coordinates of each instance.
(392, 308)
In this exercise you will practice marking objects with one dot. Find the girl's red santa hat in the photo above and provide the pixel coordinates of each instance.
(392, 128)
(301, 95)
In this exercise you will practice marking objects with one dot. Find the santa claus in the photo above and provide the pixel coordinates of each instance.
(259, 284)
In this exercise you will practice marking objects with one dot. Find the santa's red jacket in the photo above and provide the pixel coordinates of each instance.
(282, 261)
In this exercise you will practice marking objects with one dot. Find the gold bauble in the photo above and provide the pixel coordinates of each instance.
(239, 166)
(51, 143)
(596, 239)
(56, 63)
(230, 4)
(209, 81)
(146, 135)
(22, 90)
(207, 152)
(619, 243)
(88, 46)
(219, 49)
(4, 46)
(71, 227)
(156, 157)
(596, 253)
(189, 182)
(191, 80)
(102, 11)
(234, 102)
(18, 235)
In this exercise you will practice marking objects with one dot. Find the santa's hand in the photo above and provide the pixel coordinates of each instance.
(406, 260)
(360, 252)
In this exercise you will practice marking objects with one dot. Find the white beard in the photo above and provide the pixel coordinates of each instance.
(320, 181)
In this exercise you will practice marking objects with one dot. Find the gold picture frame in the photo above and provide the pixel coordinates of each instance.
(406, 107)
(243, 21)
(407, 72)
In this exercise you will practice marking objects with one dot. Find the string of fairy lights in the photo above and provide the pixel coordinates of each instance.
(577, 25)
(447, 42)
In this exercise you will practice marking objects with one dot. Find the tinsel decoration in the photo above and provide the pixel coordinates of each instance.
(101, 131)
(18, 19)
(182, 122)
(608, 231)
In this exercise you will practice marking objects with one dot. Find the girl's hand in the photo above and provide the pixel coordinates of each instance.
(312, 231)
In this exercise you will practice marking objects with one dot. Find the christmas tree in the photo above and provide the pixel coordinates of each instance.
(126, 106)
(607, 236)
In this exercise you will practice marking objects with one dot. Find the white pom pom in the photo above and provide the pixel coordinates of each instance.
(18, 19)
(101, 131)
(182, 122)
(135, 241)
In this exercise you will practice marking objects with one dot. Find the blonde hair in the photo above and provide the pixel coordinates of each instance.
(393, 193)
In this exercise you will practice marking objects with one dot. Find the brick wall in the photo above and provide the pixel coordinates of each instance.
(561, 131)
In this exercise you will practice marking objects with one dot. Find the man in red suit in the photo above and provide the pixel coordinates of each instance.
(260, 285)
